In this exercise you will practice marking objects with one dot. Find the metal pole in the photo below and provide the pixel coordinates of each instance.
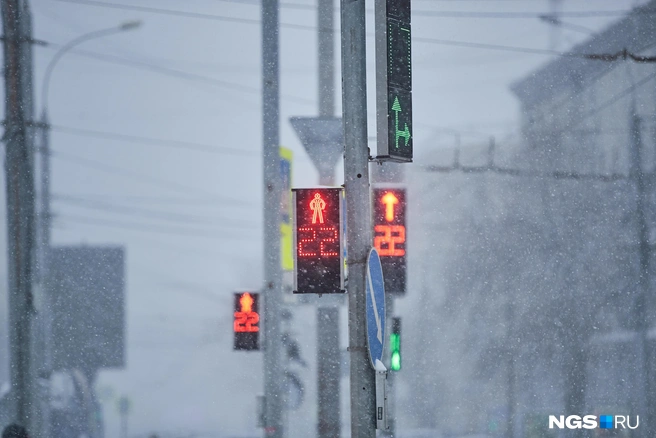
(44, 233)
(19, 171)
(326, 59)
(389, 173)
(358, 207)
(124, 425)
(328, 353)
(391, 376)
(640, 309)
(272, 289)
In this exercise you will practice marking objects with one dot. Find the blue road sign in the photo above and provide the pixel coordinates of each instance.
(375, 292)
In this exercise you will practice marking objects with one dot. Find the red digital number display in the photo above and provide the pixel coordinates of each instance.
(246, 321)
(318, 241)
(389, 205)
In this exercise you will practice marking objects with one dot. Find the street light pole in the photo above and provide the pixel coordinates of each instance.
(43, 225)
(44, 214)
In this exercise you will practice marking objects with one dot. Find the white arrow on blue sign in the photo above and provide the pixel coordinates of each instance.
(375, 294)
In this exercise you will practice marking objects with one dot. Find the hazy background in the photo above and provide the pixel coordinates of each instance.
(191, 219)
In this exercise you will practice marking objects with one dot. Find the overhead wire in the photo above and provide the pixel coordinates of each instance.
(462, 14)
(414, 38)
(184, 218)
(186, 145)
(145, 178)
(179, 73)
(151, 228)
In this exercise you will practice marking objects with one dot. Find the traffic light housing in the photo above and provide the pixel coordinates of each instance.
(318, 243)
(395, 345)
(246, 324)
(390, 234)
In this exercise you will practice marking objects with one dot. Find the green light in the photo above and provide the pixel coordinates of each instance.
(395, 348)
(405, 133)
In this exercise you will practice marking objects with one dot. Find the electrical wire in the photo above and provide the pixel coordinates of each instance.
(152, 228)
(145, 178)
(153, 214)
(186, 145)
(423, 13)
(449, 14)
(179, 73)
(179, 13)
(139, 199)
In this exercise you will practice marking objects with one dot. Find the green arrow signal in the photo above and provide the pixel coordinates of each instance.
(405, 133)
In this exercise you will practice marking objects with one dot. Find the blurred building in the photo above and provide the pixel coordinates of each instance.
(526, 285)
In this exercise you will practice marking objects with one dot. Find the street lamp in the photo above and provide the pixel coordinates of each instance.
(128, 25)
(43, 224)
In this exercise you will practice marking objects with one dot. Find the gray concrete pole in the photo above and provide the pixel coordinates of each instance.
(389, 173)
(358, 207)
(640, 307)
(19, 172)
(328, 352)
(272, 290)
(326, 59)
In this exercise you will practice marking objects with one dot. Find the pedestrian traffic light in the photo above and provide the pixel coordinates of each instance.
(395, 344)
(318, 251)
(390, 236)
(246, 325)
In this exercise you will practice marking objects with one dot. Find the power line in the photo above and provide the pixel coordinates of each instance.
(464, 14)
(186, 145)
(180, 73)
(571, 14)
(174, 12)
(145, 178)
(146, 199)
(447, 14)
(166, 216)
(152, 228)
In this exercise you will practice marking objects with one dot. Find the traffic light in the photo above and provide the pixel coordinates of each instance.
(395, 345)
(318, 250)
(394, 81)
(390, 236)
(246, 325)
(292, 381)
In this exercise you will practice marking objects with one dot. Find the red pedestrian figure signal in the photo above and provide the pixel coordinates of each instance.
(318, 250)
(317, 205)
(246, 321)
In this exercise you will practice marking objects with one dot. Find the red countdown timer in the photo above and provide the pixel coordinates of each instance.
(318, 255)
(246, 321)
(390, 236)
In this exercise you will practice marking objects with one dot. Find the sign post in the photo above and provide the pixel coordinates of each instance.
(393, 80)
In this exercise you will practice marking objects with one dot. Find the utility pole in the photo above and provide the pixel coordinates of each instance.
(358, 208)
(19, 171)
(328, 353)
(640, 306)
(389, 173)
(272, 290)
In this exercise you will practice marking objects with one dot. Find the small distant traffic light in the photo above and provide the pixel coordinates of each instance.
(246, 324)
(318, 250)
(390, 236)
(395, 344)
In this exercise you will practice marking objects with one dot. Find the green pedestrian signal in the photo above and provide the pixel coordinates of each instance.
(395, 344)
